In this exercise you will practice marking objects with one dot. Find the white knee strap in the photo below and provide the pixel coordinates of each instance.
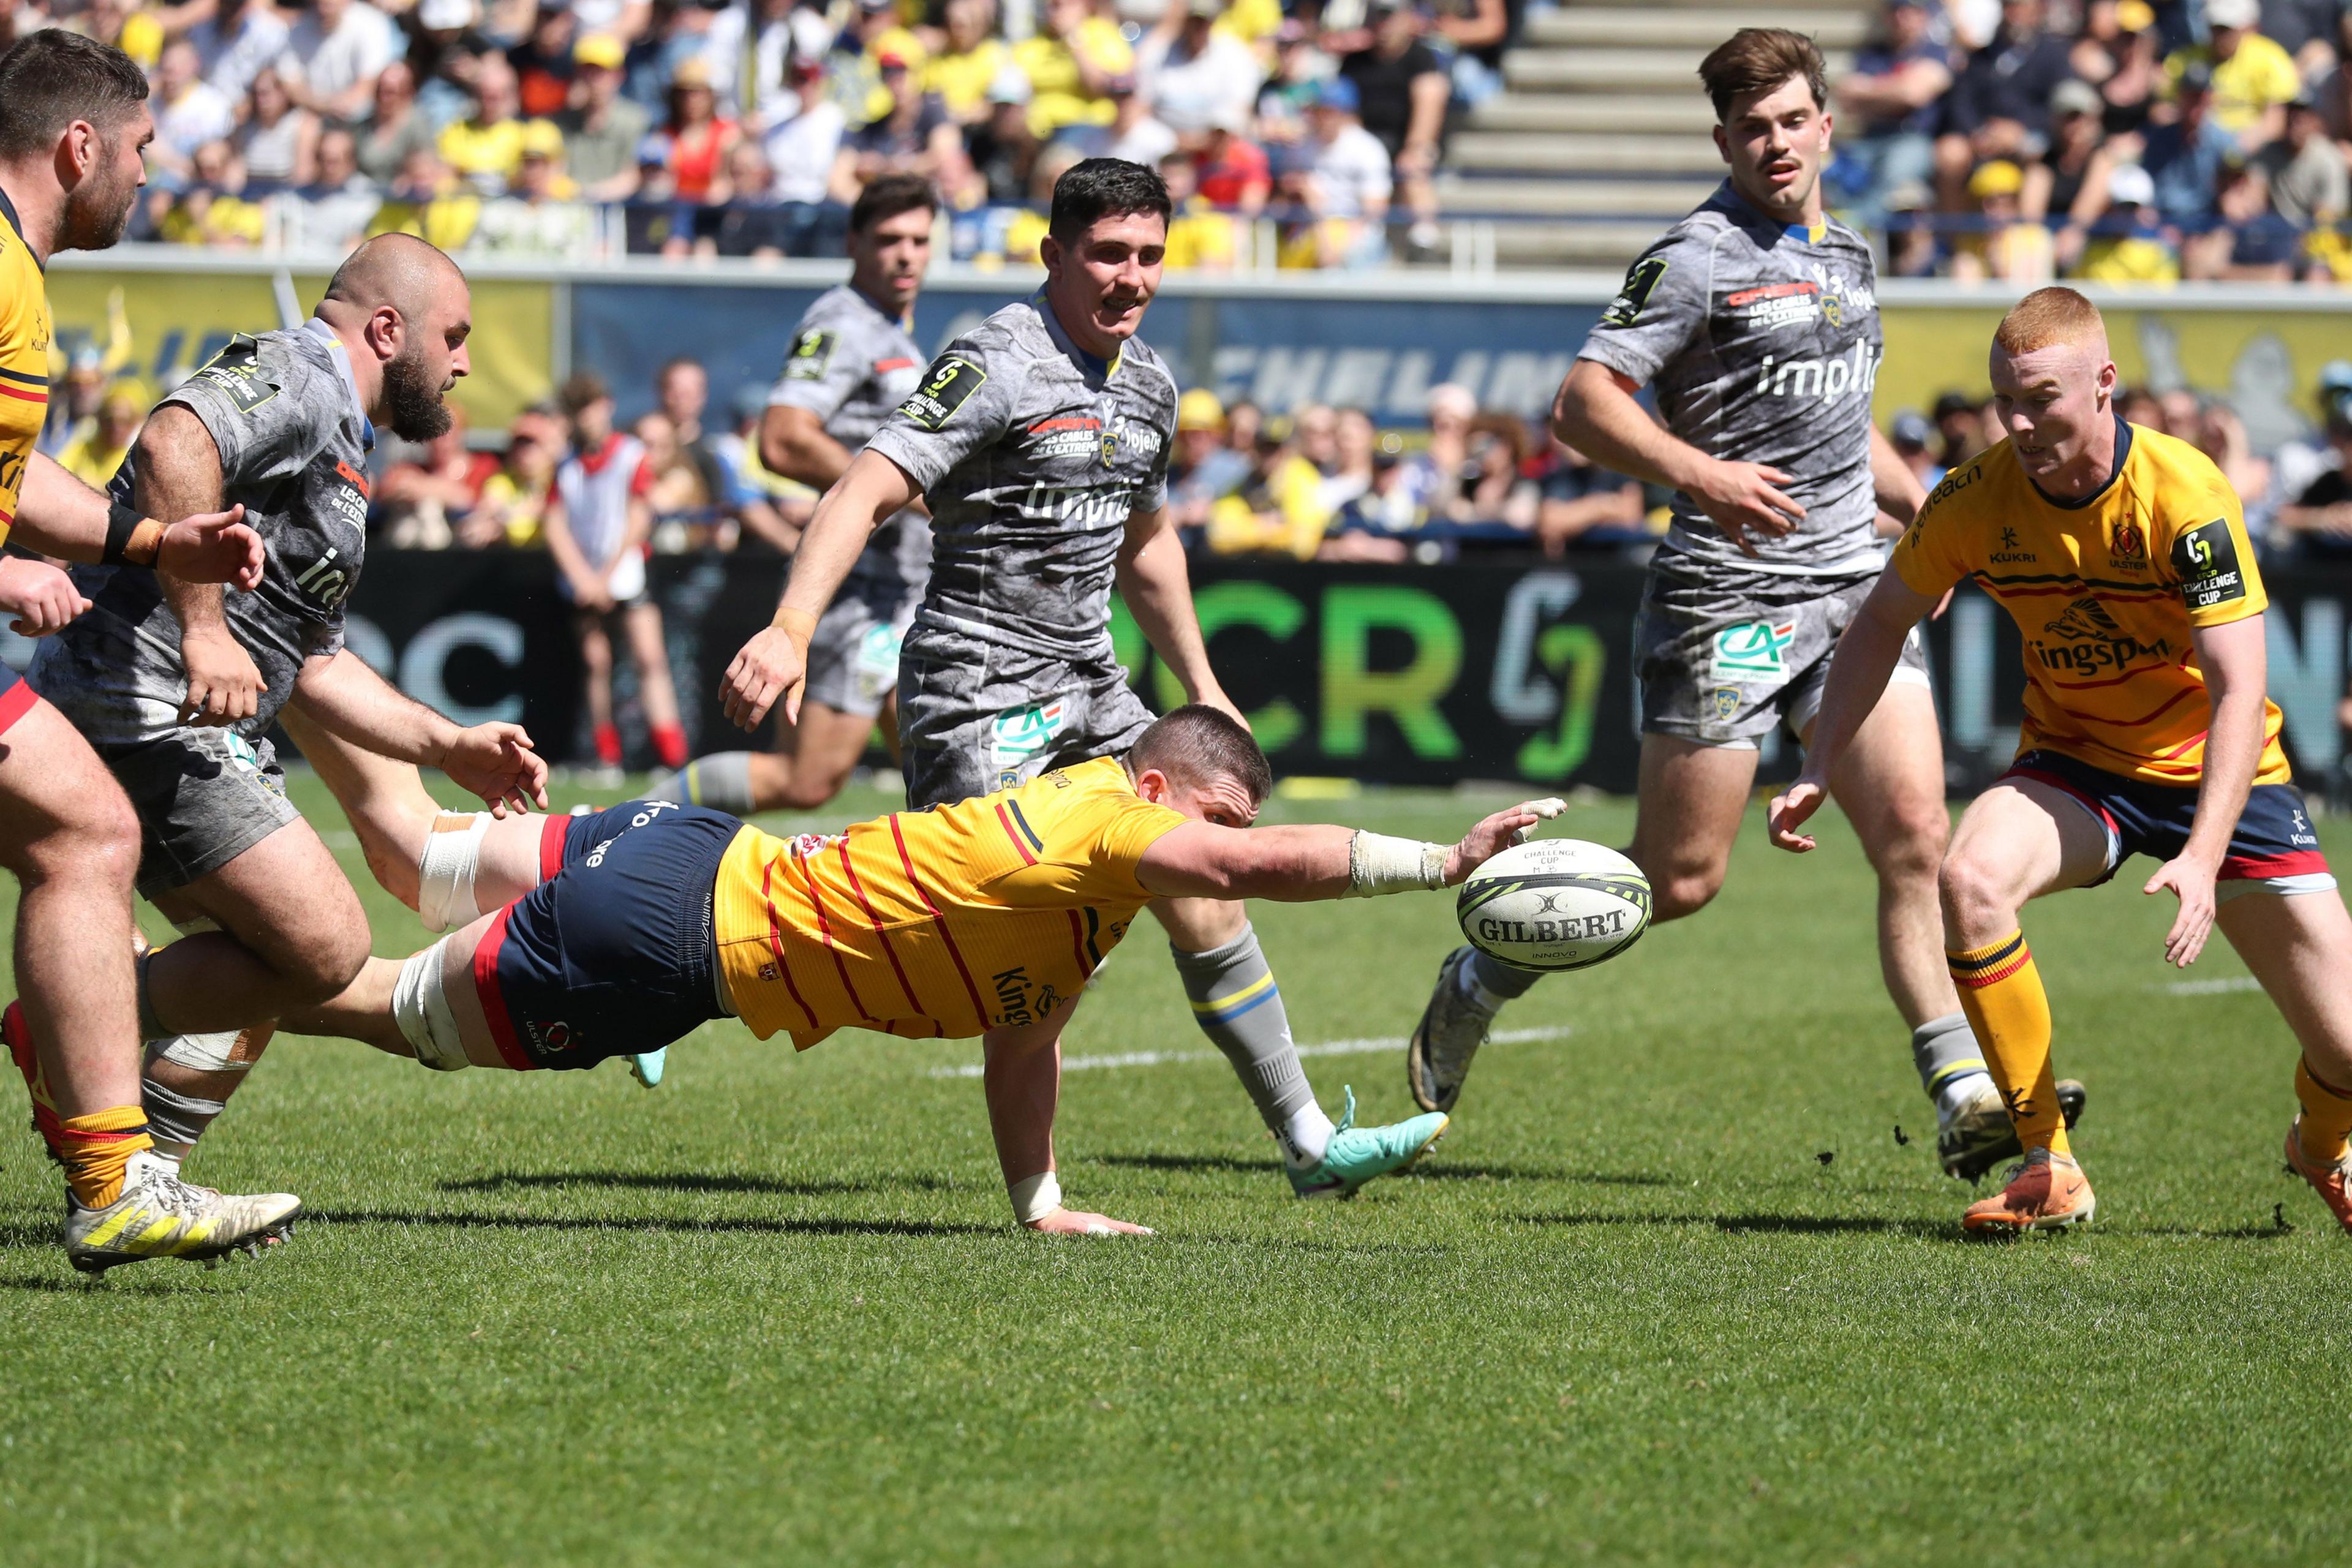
(203, 1053)
(445, 877)
(420, 1006)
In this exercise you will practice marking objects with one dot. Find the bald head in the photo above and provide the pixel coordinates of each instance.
(395, 269)
(400, 309)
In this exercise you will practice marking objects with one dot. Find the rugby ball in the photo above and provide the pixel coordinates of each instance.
(1554, 904)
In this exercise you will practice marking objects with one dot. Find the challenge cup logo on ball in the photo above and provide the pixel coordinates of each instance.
(1555, 904)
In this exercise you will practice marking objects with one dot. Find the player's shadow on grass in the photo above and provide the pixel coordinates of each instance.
(687, 1181)
(1426, 1171)
(678, 1225)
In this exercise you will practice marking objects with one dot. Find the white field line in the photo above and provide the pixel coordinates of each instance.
(2212, 987)
(1326, 1048)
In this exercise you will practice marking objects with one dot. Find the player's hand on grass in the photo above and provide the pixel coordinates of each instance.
(1748, 497)
(769, 666)
(39, 598)
(1077, 1221)
(1496, 833)
(497, 763)
(2191, 880)
(1790, 810)
(224, 683)
(212, 547)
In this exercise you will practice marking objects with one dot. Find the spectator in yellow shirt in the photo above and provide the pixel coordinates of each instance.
(485, 146)
(1070, 62)
(93, 455)
(2132, 248)
(2253, 78)
(1200, 237)
(856, 60)
(1279, 509)
(962, 74)
(426, 202)
(210, 211)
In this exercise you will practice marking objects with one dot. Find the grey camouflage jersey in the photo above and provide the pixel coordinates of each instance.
(1762, 344)
(1033, 454)
(293, 441)
(850, 364)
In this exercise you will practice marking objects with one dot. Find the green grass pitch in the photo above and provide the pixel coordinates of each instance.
(1670, 1292)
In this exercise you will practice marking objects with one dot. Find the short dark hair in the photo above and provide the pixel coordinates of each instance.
(1196, 742)
(1757, 59)
(52, 79)
(889, 196)
(580, 389)
(1095, 188)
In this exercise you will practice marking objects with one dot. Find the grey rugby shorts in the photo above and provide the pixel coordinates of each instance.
(853, 655)
(974, 717)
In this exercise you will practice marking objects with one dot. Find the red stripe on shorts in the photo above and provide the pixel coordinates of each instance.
(16, 702)
(494, 1001)
(2294, 863)
(551, 835)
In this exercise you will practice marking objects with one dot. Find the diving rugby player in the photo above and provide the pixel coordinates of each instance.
(984, 916)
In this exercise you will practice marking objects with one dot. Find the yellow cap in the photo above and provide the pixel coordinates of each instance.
(1199, 410)
(541, 139)
(1998, 178)
(2135, 16)
(600, 49)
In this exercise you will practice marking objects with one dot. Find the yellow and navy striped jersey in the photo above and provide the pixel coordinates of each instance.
(2105, 593)
(24, 360)
(945, 923)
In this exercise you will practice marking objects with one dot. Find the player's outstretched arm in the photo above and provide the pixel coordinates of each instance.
(1157, 589)
(496, 761)
(1866, 655)
(774, 663)
(179, 474)
(1304, 864)
(1596, 413)
(2236, 662)
(58, 515)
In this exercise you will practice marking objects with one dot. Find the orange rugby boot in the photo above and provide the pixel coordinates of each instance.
(2045, 1192)
(2330, 1181)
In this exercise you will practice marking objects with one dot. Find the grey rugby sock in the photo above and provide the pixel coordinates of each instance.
(176, 1117)
(1237, 1004)
(722, 781)
(1943, 1049)
(1499, 980)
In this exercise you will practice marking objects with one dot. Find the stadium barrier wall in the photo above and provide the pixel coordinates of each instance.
(1377, 341)
(1420, 677)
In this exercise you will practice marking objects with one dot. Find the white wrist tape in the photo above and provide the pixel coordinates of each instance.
(420, 1006)
(1379, 864)
(445, 876)
(1035, 1198)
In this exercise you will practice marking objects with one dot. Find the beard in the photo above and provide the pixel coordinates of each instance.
(97, 211)
(412, 399)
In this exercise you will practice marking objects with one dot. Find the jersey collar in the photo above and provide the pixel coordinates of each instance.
(351, 383)
(8, 211)
(1103, 369)
(2123, 450)
(905, 324)
(1754, 216)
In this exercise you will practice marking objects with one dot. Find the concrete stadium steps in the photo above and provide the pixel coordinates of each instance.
(1698, 27)
(1602, 120)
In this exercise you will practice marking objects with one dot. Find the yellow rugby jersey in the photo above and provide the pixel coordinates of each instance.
(938, 923)
(24, 360)
(2104, 592)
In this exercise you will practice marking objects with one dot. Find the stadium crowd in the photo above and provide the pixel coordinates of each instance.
(2114, 140)
(576, 128)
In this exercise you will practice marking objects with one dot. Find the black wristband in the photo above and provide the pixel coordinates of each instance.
(121, 522)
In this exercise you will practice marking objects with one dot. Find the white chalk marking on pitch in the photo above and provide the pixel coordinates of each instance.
(2212, 987)
(1326, 1048)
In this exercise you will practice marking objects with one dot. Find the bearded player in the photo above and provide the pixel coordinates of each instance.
(177, 690)
(1039, 440)
(1756, 323)
(852, 360)
(984, 916)
(73, 121)
(2122, 556)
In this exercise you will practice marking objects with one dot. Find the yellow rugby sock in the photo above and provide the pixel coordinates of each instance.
(2327, 1116)
(95, 1148)
(2001, 990)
